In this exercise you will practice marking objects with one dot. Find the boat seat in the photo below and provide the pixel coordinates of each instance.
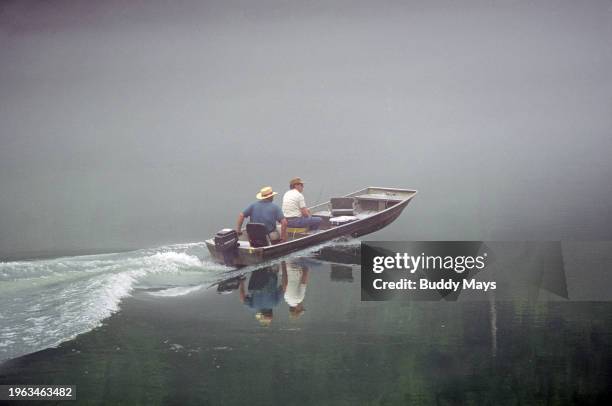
(342, 206)
(292, 231)
(258, 235)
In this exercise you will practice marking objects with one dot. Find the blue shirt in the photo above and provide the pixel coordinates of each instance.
(266, 297)
(264, 212)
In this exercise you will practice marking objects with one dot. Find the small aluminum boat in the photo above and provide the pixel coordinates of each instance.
(356, 214)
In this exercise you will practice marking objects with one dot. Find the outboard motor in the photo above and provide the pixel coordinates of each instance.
(226, 243)
(230, 285)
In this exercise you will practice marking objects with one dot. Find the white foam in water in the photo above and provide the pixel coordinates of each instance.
(177, 291)
(46, 302)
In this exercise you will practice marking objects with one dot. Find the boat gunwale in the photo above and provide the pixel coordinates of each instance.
(357, 192)
(323, 232)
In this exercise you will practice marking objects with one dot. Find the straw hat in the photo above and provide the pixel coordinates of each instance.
(264, 317)
(265, 193)
(295, 181)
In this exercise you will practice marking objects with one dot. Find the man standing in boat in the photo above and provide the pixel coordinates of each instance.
(265, 212)
(294, 207)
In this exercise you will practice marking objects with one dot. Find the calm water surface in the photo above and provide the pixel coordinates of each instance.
(247, 346)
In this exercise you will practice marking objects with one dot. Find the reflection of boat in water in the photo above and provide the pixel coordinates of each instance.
(341, 273)
(262, 293)
(356, 214)
(339, 254)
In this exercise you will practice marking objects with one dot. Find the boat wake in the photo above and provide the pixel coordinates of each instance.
(46, 302)
(177, 291)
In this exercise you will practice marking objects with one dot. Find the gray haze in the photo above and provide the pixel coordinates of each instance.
(133, 125)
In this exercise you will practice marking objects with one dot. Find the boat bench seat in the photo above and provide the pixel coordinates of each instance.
(293, 231)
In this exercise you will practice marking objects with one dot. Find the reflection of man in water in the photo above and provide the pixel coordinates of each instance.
(295, 278)
(263, 295)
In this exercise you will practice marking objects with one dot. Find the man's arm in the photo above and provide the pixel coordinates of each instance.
(283, 230)
(285, 278)
(242, 292)
(302, 205)
(239, 223)
(304, 279)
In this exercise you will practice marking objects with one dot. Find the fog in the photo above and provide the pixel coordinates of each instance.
(133, 125)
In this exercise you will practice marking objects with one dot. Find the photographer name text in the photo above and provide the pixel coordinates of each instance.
(426, 284)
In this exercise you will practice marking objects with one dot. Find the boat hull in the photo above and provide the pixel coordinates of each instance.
(252, 256)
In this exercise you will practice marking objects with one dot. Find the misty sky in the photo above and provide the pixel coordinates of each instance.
(133, 124)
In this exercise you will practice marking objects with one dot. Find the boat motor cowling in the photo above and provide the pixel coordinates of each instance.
(226, 243)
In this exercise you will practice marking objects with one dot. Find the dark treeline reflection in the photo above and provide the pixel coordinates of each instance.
(297, 333)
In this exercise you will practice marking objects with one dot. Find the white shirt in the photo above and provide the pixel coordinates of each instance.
(293, 201)
(296, 290)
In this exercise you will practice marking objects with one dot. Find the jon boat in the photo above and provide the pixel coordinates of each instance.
(359, 213)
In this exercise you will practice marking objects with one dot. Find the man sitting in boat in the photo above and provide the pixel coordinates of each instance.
(264, 293)
(265, 212)
(294, 281)
(294, 207)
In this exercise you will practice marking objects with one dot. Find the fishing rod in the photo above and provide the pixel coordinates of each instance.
(320, 193)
